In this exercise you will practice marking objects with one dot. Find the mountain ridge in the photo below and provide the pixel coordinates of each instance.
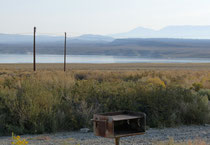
(18, 38)
(173, 31)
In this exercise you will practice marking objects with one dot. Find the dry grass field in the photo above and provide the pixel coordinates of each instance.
(113, 67)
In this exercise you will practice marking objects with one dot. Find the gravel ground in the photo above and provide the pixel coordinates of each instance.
(179, 134)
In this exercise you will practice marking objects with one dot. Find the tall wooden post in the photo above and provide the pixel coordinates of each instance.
(117, 141)
(34, 49)
(65, 53)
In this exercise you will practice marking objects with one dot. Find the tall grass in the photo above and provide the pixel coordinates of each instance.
(49, 101)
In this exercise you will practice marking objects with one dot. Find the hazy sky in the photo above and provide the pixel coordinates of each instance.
(99, 16)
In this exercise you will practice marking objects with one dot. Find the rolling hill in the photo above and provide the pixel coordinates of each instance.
(146, 48)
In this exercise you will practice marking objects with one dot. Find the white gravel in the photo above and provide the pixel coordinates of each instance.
(182, 133)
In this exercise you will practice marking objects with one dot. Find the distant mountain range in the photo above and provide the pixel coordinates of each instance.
(91, 38)
(141, 42)
(184, 32)
(187, 32)
(15, 38)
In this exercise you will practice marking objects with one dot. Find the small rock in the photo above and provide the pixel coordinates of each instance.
(84, 130)
(207, 125)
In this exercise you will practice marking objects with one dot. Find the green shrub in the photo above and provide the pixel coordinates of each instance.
(48, 102)
(205, 92)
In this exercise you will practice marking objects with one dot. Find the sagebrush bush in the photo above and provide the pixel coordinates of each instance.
(53, 101)
(205, 92)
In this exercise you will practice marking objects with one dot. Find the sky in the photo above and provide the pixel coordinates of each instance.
(103, 17)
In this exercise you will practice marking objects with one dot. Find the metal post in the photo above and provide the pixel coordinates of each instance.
(65, 53)
(34, 49)
(117, 141)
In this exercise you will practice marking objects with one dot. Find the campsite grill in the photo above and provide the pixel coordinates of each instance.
(119, 124)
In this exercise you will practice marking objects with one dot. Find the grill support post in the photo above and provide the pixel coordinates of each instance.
(117, 141)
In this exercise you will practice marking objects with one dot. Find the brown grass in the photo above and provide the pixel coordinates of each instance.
(121, 66)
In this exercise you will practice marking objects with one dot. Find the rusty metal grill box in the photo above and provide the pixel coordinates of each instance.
(119, 124)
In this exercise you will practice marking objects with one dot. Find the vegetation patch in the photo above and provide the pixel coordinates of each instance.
(50, 101)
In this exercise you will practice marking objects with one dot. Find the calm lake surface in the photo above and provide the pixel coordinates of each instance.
(19, 58)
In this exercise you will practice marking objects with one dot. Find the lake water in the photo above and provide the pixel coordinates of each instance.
(19, 58)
